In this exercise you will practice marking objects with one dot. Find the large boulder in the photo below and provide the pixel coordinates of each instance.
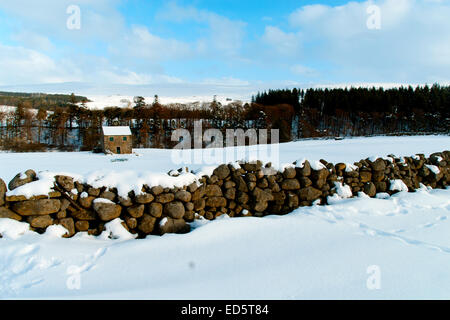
(175, 209)
(213, 191)
(108, 195)
(147, 224)
(40, 221)
(69, 224)
(289, 173)
(107, 210)
(136, 211)
(131, 222)
(199, 204)
(304, 170)
(378, 165)
(192, 187)
(165, 198)
(290, 184)
(320, 174)
(169, 225)
(82, 226)
(309, 194)
(262, 196)
(243, 198)
(222, 172)
(155, 209)
(157, 190)
(144, 198)
(183, 195)
(5, 213)
(230, 193)
(370, 189)
(65, 182)
(22, 178)
(40, 207)
(125, 201)
(365, 176)
(261, 206)
(252, 166)
(216, 202)
(85, 215)
(85, 200)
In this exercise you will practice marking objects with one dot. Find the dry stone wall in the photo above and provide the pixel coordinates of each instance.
(249, 189)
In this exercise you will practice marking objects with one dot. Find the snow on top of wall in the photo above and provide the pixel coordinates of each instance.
(40, 187)
(350, 167)
(315, 165)
(433, 169)
(116, 131)
(375, 158)
(103, 200)
(398, 185)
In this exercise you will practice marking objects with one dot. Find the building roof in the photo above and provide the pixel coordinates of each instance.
(116, 131)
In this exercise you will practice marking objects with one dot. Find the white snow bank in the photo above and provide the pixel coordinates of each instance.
(315, 164)
(398, 185)
(13, 229)
(382, 195)
(115, 230)
(42, 186)
(55, 231)
(433, 168)
(344, 191)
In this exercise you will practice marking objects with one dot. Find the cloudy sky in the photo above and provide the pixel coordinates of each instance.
(211, 45)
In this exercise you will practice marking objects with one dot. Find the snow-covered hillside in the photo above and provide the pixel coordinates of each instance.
(124, 101)
(363, 248)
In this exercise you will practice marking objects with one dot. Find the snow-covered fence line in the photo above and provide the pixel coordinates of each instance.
(239, 190)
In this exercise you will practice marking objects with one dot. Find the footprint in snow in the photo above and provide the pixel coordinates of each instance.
(16, 264)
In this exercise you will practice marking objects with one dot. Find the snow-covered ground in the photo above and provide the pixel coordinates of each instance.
(362, 248)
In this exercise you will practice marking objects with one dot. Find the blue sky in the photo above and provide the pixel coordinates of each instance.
(210, 46)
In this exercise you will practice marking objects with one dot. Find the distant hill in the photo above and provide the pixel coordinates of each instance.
(39, 100)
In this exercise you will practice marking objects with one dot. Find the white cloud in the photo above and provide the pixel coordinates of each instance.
(19, 65)
(140, 43)
(285, 43)
(304, 70)
(33, 40)
(225, 36)
(412, 44)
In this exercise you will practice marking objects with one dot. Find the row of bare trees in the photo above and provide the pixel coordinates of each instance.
(75, 127)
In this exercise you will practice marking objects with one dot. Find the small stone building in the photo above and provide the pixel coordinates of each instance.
(117, 140)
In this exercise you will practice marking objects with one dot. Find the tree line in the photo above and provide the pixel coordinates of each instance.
(297, 113)
(366, 111)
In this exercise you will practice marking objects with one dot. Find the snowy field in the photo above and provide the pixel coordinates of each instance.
(358, 248)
